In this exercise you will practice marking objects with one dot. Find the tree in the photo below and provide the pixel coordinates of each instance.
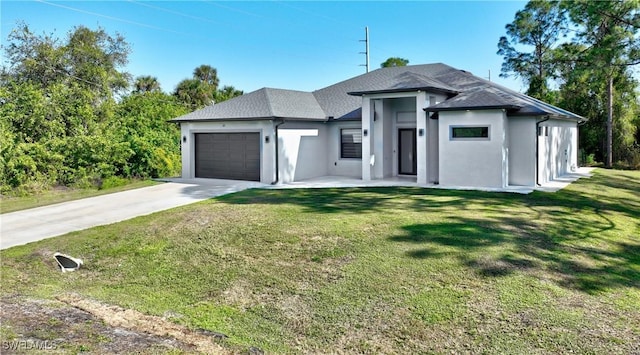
(194, 94)
(141, 121)
(537, 27)
(226, 93)
(207, 75)
(202, 89)
(146, 83)
(38, 59)
(94, 58)
(87, 66)
(608, 31)
(58, 95)
(394, 62)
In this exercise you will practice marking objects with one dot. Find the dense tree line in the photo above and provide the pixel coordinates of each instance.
(70, 115)
(580, 56)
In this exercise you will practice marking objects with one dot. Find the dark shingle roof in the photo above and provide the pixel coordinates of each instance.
(336, 102)
(489, 95)
(406, 81)
(343, 101)
(265, 103)
(479, 98)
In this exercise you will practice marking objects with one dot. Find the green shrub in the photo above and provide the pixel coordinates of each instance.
(113, 181)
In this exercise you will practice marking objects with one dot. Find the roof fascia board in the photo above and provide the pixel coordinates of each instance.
(413, 90)
(323, 119)
(390, 95)
(551, 116)
(473, 108)
(223, 119)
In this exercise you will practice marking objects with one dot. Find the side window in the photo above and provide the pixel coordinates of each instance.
(350, 143)
(469, 132)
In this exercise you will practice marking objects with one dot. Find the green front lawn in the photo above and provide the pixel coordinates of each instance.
(59, 195)
(391, 270)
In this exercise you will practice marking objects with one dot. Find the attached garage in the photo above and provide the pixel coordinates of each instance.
(234, 156)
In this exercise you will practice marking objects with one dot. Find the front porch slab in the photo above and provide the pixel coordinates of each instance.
(341, 181)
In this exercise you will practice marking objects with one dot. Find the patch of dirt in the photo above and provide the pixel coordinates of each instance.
(74, 324)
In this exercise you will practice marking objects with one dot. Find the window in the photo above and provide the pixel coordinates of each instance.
(469, 132)
(351, 143)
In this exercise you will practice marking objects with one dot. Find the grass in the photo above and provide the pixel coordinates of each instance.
(58, 195)
(372, 269)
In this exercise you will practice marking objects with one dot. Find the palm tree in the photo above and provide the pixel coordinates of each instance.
(146, 83)
(208, 75)
(227, 92)
(194, 93)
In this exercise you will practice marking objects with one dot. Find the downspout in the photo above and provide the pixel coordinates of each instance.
(537, 150)
(277, 153)
(580, 157)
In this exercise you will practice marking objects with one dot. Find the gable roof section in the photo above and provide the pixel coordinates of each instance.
(336, 102)
(493, 96)
(342, 101)
(266, 103)
(406, 81)
(478, 98)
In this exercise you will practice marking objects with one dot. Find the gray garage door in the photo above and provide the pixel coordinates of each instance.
(234, 156)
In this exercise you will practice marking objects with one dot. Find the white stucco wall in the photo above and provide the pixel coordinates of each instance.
(433, 138)
(522, 150)
(267, 150)
(558, 150)
(477, 163)
(302, 147)
(378, 142)
(387, 154)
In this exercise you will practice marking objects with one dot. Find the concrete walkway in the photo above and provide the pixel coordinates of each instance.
(22, 227)
(341, 181)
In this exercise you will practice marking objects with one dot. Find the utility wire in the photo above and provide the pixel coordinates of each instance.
(176, 12)
(156, 28)
(111, 17)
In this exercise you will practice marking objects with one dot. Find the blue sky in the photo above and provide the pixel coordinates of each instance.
(282, 44)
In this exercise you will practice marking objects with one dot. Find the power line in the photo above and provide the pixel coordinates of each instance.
(110, 17)
(198, 18)
(175, 12)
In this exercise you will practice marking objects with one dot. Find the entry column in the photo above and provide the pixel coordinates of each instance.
(367, 127)
(421, 139)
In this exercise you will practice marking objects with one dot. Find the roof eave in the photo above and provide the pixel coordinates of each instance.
(470, 108)
(391, 91)
(313, 119)
(550, 115)
(178, 120)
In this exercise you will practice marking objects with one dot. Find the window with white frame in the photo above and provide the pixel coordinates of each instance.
(351, 143)
(469, 132)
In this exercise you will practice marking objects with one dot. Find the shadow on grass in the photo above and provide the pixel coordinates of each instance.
(490, 250)
(347, 200)
(567, 234)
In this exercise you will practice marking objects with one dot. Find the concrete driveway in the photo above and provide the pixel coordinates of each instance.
(22, 227)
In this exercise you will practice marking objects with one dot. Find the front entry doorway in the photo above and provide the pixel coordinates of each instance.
(407, 162)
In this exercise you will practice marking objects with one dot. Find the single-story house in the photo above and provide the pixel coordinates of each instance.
(432, 123)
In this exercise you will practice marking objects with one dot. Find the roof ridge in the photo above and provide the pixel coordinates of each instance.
(268, 99)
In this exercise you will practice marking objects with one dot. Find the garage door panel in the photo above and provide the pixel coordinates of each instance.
(228, 156)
